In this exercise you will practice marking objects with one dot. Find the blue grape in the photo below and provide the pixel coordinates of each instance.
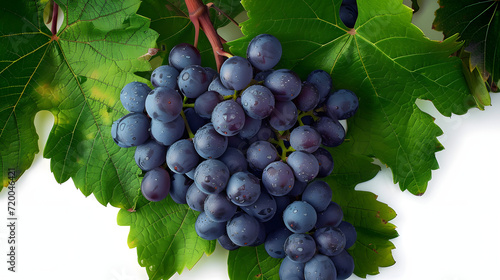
(331, 131)
(219, 208)
(133, 96)
(182, 157)
(325, 161)
(238, 143)
(236, 73)
(300, 247)
(330, 240)
(257, 101)
(193, 81)
(318, 194)
(243, 188)
(167, 133)
(349, 13)
(342, 104)
(322, 81)
(277, 220)
(264, 134)
(207, 228)
(251, 128)
(179, 187)
(298, 188)
(278, 178)
(331, 216)
(320, 267)
(163, 104)
(228, 118)
(150, 155)
(284, 84)
(194, 120)
(131, 130)
(206, 102)
(195, 198)
(261, 76)
(184, 55)
(350, 233)
(211, 176)
(261, 237)
(308, 98)
(208, 143)
(243, 229)
(275, 242)
(299, 217)
(226, 243)
(304, 165)
(264, 51)
(305, 138)
(344, 265)
(234, 159)
(290, 270)
(217, 86)
(155, 184)
(284, 115)
(165, 76)
(263, 209)
(260, 154)
(211, 73)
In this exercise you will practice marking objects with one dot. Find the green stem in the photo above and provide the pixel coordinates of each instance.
(189, 131)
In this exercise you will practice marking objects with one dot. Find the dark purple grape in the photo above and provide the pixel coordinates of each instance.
(322, 81)
(165, 76)
(234, 159)
(228, 118)
(350, 233)
(263, 209)
(318, 194)
(243, 229)
(193, 81)
(179, 187)
(298, 188)
(260, 154)
(284, 84)
(264, 51)
(236, 73)
(290, 270)
(305, 138)
(331, 217)
(308, 98)
(342, 104)
(163, 104)
(275, 242)
(331, 131)
(257, 101)
(277, 220)
(167, 133)
(183, 55)
(150, 155)
(195, 198)
(300, 247)
(304, 165)
(330, 240)
(251, 128)
(207, 228)
(284, 115)
(243, 188)
(219, 208)
(319, 267)
(211, 176)
(131, 130)
(278, 178)
(344, 265)
(261, 237)
(182, 157)
(226, 243)
(348, 13)
(217, 86)
(155, 184)
(261, 76)
(133, 96)
(206, 102)
(208, 143)
(325, 161)
(299, 217)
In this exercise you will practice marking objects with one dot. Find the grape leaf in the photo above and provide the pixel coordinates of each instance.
(386, 61)
(77, 75)
(478, 24)
(164, 235)
(248, 263)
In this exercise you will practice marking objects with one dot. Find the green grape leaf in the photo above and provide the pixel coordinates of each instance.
(171, 20)
(77, 76)
(478, 24)
(386, 61)
(164, 235)
(249, 263)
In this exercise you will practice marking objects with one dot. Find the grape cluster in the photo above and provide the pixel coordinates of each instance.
(243, 147)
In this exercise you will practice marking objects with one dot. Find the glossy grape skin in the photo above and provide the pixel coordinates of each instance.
(211, 176)
(133, 96)
(299, 217)
(167, 133)
(163, 104)
(209, 143)
(179, 187)
(318, 194)
(264, 51)
(304, 165)
(243, 229)
(331, 131)
(243, 188)
(193, 81)
(260, 154)
(195, 198)
(155, 184)
(236, 73)
(342, 104)
(183, 55)
(331, 216)
(251, 128)
(305, 138)
(263, 209)
(226, 243)
(349, 13)
(217, 86)
(284, 115)
(325, 161)
(182, 157)
(207, 228)
(234, 159)
(278, 178)
(300, 247)
(344, 265)
(206, 102)
(284, 84)
(131, 130)
(228, 118)
(330, 240)
(150, 155)
(350, 233)
(320, 267)
(308, 98)
(290, 270)
(275, 242)
(165, 76)
(219, 208)
(257, 101)
(322, 81)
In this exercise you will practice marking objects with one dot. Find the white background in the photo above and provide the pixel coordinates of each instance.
(450, 233)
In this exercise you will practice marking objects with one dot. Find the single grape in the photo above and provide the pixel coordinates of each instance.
(251, 128)
(236, 73)
(349, 12)
(167, 133)
(165, 76)
(331, 217)
(155, 184)
(243, 229)
(228, 118)
(350, 233)
(308, 98)
(263, 209)
(318, 194)
(342, 104)
(179, 187)
(284, 84)
(284, 116)
(322, 81)
(184, 55)
(211, 176)
(304, 165)
(257, 101)
(193, 81)
(298, 188)
(264, 51)
(305, 138)
(243, 188)
(133, 96)
(207, 228)
(150, 155)
(300, 247)
(211, 73)
(331, 131)
(260, 154)
(182, 157)
(330, 240)
(325, 161)
(208, 143)
(299, 217)
(131, 130)
(219, 208)
(206, 102)
(344, 265)
(195, 198)
(275, 242)
(234, 159)
(163, 104)
(278, 178)
(226, 243)
(290, 270)
(217, 86)
(320, 267)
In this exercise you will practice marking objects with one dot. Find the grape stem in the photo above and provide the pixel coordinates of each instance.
(55, 14)
(198, 14)
(187, 105)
